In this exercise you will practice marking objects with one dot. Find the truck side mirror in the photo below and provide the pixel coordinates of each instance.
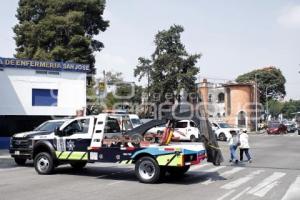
(57, 132)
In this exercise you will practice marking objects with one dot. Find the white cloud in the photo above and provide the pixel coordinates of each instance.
(290, 17)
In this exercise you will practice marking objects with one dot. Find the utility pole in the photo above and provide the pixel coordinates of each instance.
(256, 103)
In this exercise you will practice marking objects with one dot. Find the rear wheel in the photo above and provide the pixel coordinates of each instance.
(20, 161)
(78, 165)
(43, 163)
(222, 137)
(147, 170)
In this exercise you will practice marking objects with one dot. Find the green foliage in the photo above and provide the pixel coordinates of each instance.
(275, 107)
(170, 68)
(270, 81)
(290, 108)
(60, 30)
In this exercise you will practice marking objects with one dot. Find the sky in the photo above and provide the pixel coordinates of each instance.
(234, 37)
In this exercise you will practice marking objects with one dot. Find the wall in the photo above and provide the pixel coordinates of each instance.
(241, 97)
(16, 92)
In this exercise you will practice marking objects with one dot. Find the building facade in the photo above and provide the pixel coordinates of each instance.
(233, 103)
(34, 91)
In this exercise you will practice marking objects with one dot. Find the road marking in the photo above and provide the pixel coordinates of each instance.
(293, 191)
(236, 183)
(233, 171)
(224, 174)
(213, 169)
(267, 184)
(226, 195)
(114, 183)
(241, 193)
(197, 167)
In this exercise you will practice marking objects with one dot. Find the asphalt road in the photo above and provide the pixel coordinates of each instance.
(274, 174)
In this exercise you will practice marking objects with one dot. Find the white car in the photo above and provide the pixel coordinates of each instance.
(185, 130)
(223, 130)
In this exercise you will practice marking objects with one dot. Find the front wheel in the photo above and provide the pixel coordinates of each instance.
(193, 138)
(43, 163)
(20, 161)
(147, 170)
(222, 137)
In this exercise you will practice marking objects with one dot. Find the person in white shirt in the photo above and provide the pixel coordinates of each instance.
(244, 147)
(233, 141)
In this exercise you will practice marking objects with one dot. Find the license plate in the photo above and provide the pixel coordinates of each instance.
(17, 152)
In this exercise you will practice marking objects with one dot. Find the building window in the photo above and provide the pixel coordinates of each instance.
(53, 73)
(44, 97)
(209, 98)
(41, 72)
(221, 98)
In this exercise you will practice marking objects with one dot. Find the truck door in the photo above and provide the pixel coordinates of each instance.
(77, 135)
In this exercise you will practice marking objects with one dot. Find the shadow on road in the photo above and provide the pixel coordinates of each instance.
(126, 174)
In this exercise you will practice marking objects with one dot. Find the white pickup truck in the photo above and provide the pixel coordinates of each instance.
(185, 130)
(88, 139)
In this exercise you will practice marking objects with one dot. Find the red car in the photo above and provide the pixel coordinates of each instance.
(276, 128)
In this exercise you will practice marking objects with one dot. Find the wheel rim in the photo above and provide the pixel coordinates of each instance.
(222, 137)
(146, 169)
(43, 164)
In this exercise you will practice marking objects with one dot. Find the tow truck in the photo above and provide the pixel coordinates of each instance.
(87, 140)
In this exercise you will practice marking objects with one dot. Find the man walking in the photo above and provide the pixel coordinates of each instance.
(244, 147)
(233, 141)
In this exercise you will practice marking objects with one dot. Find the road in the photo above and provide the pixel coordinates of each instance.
(274, 174)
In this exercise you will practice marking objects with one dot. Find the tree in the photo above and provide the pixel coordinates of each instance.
(60, 30)
(290, 108)
(170, 68)
(270, 81)
(275, 107)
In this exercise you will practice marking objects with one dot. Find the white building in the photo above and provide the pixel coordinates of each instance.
(34, 91)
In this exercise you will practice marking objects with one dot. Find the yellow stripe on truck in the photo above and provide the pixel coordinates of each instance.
(69, 155)
(170, 160)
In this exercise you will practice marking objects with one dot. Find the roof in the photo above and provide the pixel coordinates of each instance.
(237, 84)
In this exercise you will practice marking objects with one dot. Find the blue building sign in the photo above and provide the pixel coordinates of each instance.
(43, 65)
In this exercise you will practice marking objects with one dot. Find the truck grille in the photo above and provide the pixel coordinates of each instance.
(20, 143)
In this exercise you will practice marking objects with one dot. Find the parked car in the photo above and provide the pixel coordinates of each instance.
(135, 120)
(21, 143)
(223, 130)
(185, 130)
(291, 127)
(276, 128)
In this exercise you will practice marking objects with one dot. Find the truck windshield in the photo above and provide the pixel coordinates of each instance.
(136, 121)
(49, 126)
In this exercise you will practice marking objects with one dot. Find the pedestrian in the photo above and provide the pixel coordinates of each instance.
(244, 147)
(233, 141)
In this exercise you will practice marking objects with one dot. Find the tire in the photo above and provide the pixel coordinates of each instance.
(78, 165)
(43, 163)
(20, 161)
(222, 137)
(178, 171)
(193, 138)
(147, 170)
